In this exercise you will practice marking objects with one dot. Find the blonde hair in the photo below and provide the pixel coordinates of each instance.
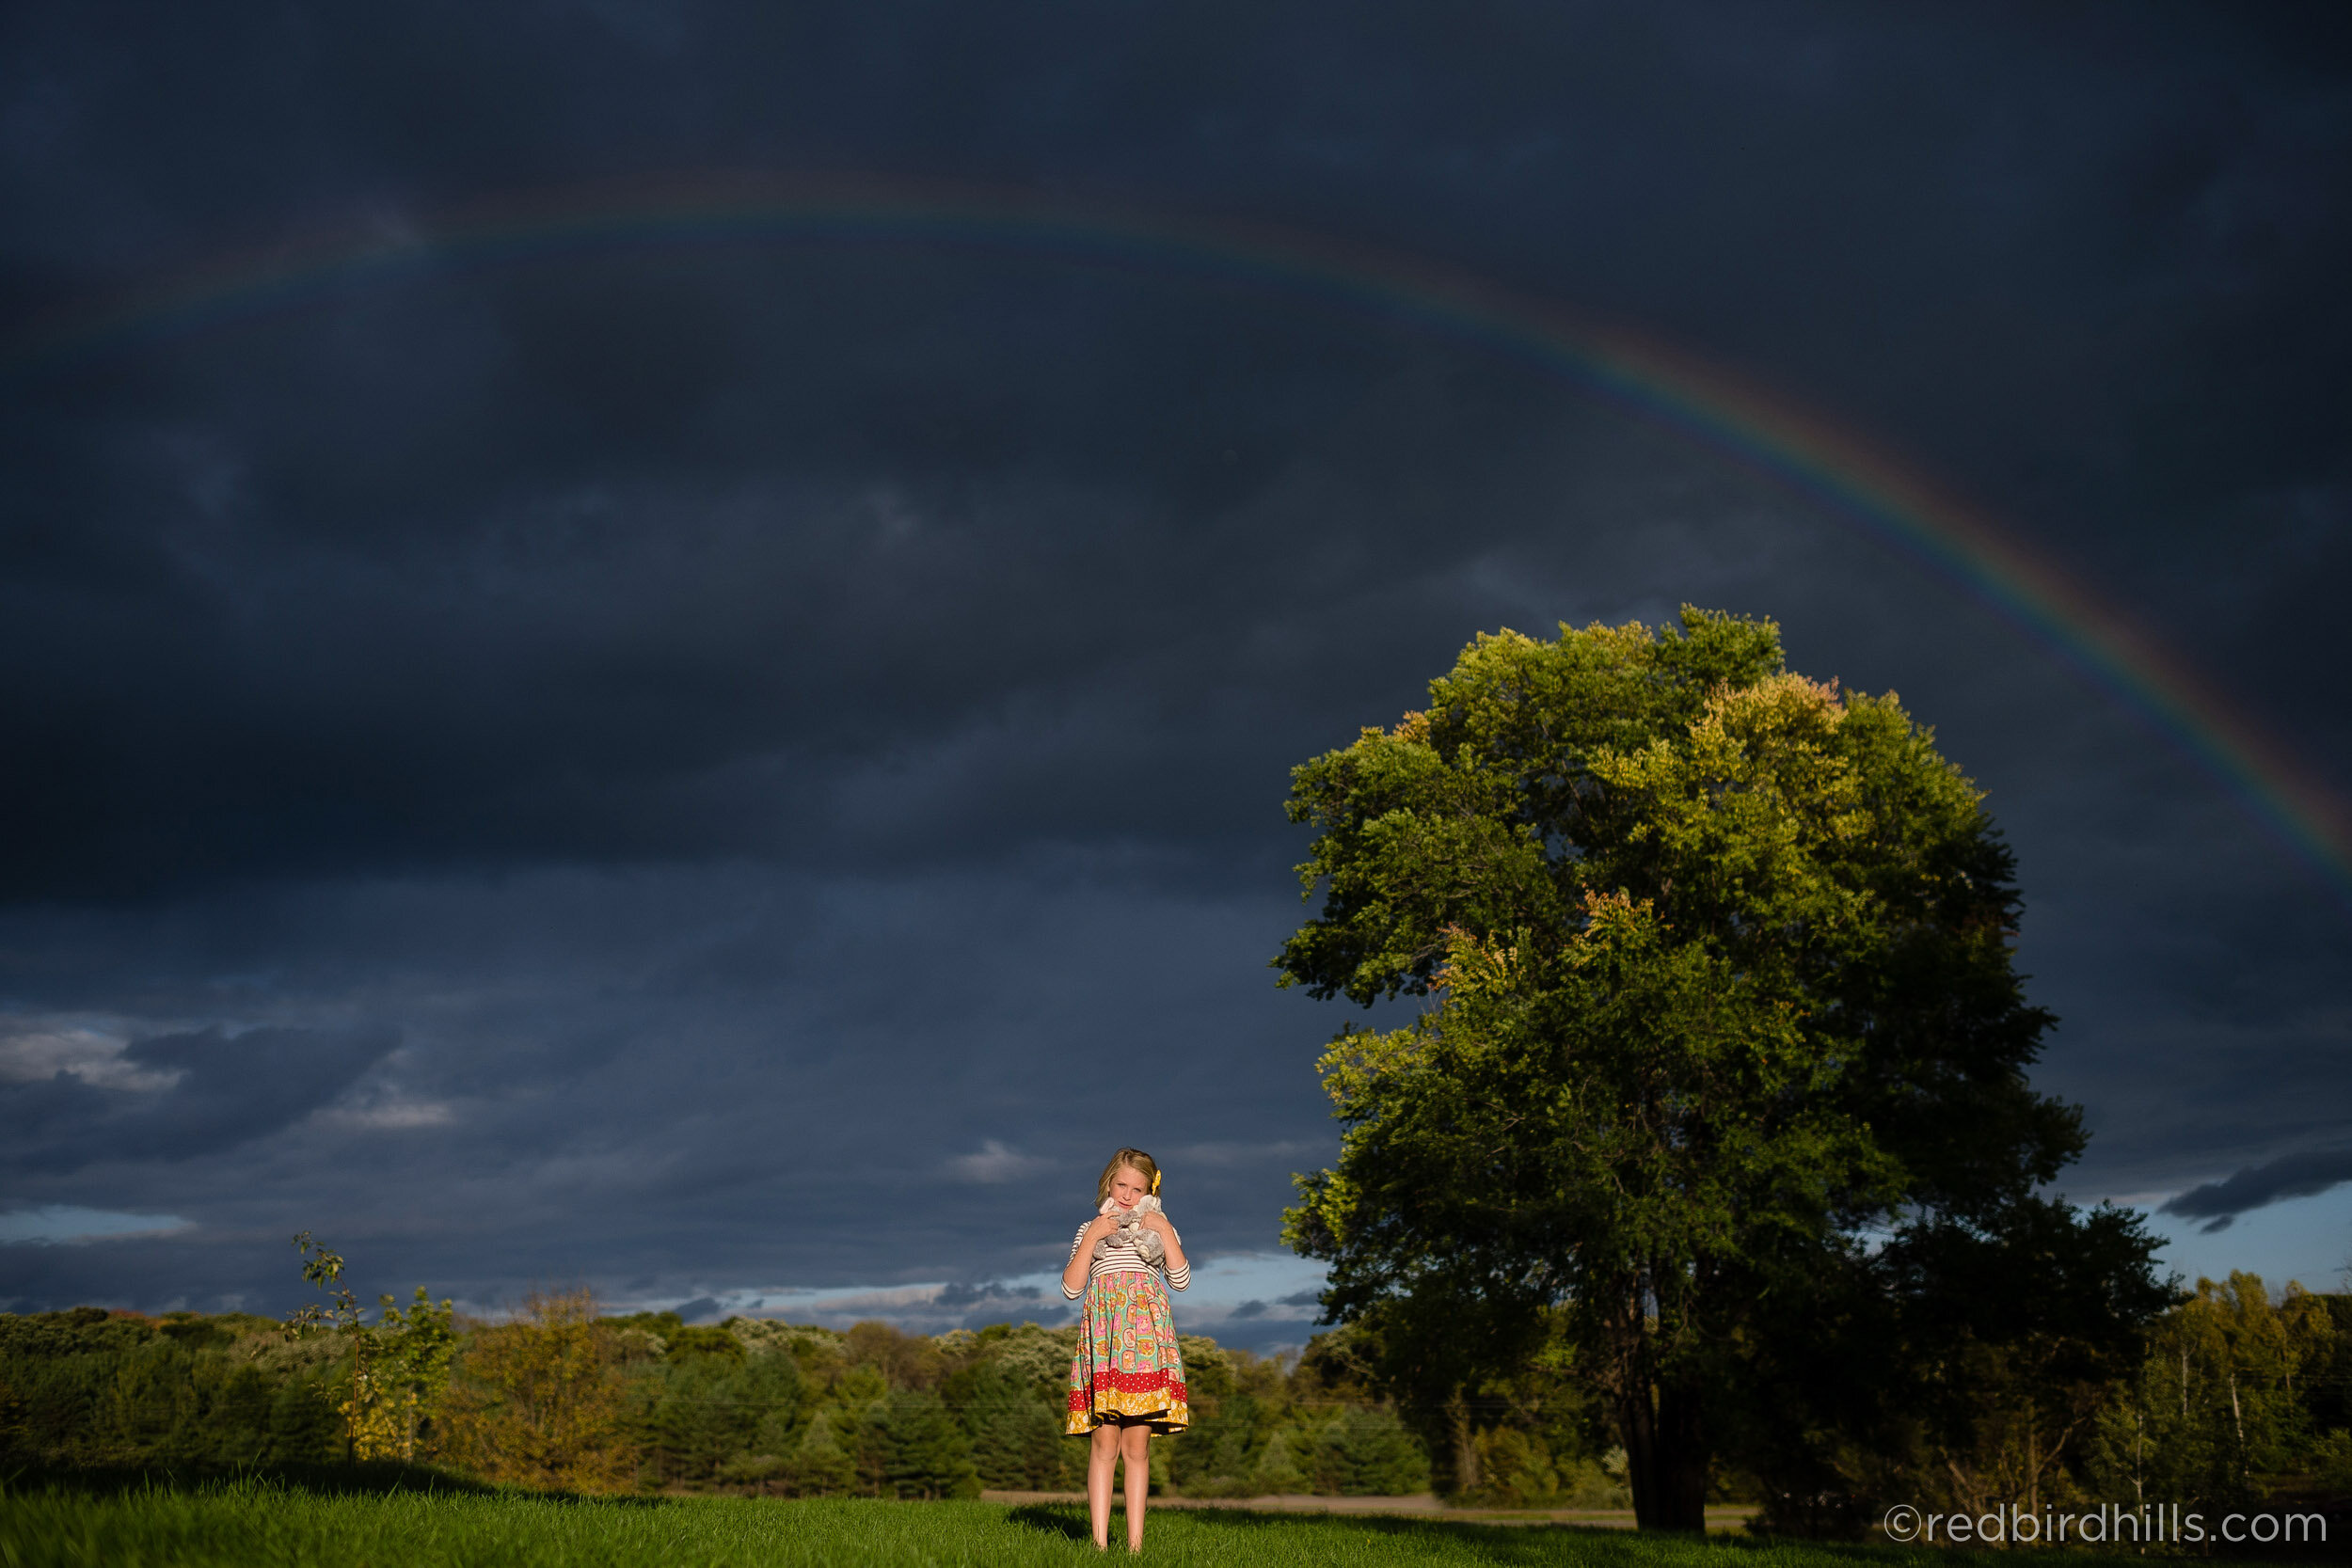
(1144, 1165)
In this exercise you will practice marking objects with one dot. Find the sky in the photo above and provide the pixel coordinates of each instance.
(657, 645)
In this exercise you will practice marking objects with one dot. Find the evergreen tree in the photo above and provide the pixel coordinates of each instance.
(1368, 1453)
(304, 1425)
(239, 1425)
(1278, 1472)
(821, 1467)
(915, 1449)
(1016, 1442)
(706, 1408)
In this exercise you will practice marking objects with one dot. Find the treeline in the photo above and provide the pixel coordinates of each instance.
(2232, 1399)
(2239, 1400)
(562, 1398)
(2235, 1398)
(90, 1389)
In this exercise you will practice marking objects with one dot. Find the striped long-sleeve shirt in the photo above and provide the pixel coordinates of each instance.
(1121, 1259)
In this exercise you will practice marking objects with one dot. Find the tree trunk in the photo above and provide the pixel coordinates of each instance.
(1466, 1477)
(1665, 1454)
(1658, 1415)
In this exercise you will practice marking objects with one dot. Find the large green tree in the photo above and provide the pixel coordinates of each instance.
(1721, 1029)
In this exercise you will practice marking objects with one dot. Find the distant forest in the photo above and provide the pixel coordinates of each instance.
(2239, 1396)
(559, 1399)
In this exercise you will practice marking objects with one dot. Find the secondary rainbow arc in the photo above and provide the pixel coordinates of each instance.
(1766, 432)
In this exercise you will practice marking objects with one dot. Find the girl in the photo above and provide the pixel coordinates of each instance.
(1126, 1381)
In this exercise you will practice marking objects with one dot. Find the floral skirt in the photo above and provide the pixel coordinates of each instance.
(1127, 1362)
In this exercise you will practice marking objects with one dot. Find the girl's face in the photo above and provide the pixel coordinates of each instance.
(1128, 1187)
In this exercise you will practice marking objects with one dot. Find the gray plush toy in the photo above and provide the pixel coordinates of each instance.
(1130, 1231)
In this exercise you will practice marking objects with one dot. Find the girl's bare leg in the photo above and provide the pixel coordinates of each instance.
(1135, 1448)
(1101, 1454)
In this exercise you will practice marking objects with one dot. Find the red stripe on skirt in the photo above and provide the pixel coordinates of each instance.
(1129, 1382)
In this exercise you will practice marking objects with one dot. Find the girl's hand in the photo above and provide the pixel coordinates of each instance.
(1159, 1222)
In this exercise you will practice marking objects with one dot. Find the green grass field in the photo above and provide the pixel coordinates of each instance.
(262, 1525)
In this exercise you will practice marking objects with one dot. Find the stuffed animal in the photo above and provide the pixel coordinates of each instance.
(1131, 1233)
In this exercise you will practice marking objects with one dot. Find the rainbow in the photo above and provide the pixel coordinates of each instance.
(1763, 431)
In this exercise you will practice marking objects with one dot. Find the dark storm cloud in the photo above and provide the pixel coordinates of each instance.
(2302, 1175)
(631, 660)
(789, 737)
(230, 1090)
(991, 1295)
(717, 1075)
(969, 1295)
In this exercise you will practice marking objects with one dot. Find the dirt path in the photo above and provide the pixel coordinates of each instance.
(1721, 1517)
